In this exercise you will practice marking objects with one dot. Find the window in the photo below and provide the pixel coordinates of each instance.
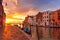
(47, 16)
(47, 12)
(56, 23)
(53, 24)
(47, 20)
(59, 15)
(43, 20)
(43, 17)
(53, 20)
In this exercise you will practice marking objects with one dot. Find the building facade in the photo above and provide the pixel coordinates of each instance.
(39, 18)
(25, 22)
(55, 18)
(45, 18)
(2, 16)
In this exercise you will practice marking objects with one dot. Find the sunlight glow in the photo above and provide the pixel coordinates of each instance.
(14, 18)
(13, 21)
(18, 16)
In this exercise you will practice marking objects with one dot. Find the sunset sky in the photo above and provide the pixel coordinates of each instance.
(29, 7)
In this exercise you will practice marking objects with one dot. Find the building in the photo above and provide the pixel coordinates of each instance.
(2, 15)
(55, 18)
(45, 18)
(30, 20)
(39, 18)
(25, 22)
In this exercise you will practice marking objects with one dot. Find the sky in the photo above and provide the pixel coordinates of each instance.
(29, 7)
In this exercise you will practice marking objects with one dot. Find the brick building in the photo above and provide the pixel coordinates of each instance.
(39, 18)
(55, 18)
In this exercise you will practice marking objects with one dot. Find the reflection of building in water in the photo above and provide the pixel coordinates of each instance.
(2, 14)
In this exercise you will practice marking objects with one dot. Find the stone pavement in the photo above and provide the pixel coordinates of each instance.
(12, 33)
